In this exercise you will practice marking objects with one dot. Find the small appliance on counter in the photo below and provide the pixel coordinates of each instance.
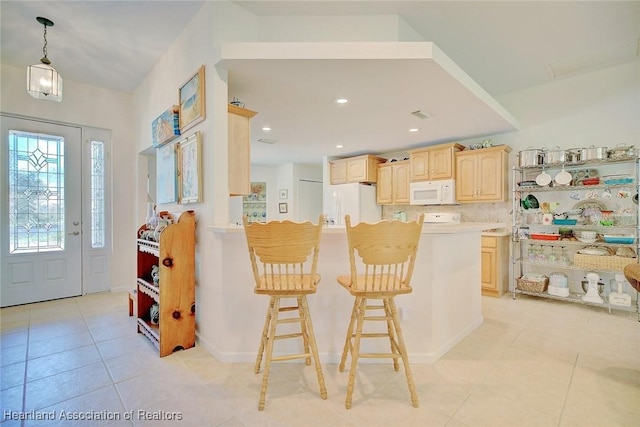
(558, 285)
(592, 290)
(443, 217)
(617, 295)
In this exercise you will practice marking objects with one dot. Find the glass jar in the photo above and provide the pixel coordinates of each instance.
(550, 255)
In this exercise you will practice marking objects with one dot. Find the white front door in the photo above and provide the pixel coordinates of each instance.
(40, 206)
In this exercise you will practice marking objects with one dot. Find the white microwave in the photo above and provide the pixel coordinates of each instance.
(442, 192)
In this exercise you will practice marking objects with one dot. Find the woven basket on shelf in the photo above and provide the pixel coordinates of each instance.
(528, 285)
(601, 262)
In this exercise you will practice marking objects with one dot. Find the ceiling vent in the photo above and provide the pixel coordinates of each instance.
(267, 141)
(420, 114)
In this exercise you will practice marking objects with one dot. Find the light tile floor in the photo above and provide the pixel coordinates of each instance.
(533, 362)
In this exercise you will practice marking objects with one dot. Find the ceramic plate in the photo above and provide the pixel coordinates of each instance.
(589, 203)
(563, 178)
(543, 179)
(594, 251)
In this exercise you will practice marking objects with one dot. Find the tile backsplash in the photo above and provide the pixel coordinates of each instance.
(471, 212)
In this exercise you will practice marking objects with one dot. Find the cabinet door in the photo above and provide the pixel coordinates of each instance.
(441, 163)
(357, 170)
(384, 188)
(489, 257)
(239, 160)
(466, 166)
(400, 183)
(338, 172)
(490, 176)
(419, 166)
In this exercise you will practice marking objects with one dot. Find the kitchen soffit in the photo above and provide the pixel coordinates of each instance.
(293, 85)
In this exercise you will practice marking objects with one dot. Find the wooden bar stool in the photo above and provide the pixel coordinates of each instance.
(280, 253)
(382, 256)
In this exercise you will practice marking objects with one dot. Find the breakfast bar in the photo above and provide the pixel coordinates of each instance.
(444, 307)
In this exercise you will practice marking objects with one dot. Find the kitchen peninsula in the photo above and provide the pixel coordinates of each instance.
(445, 305)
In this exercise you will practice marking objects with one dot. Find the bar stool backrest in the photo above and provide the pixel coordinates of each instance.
(382, 254)
(284, 254)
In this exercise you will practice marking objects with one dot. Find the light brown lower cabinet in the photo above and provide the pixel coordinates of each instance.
(495, 265)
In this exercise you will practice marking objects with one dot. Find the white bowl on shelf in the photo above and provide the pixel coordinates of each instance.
(588, 241)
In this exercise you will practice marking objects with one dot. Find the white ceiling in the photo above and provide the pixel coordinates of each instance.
(503, 46)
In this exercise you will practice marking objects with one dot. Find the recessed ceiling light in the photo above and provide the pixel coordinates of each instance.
(339, 146)
(414, 130)
(342, 101)
(266, 128)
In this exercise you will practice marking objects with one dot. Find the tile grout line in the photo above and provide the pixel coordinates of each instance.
(113, 382)
(566, 395)
(104, 364)
(26, 367)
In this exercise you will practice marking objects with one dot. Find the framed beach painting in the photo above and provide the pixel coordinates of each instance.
(165, 127)
(189, 161)
(191, 96)
(166, 172)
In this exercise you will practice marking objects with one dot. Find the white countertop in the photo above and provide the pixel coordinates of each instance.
(427, 228)
(497, 232)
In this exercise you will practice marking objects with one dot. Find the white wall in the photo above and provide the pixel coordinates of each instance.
(101, 108)
(601, 108)
(335, 29)
(283, 177)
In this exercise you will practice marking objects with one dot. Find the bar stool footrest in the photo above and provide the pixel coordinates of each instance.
(291, 357)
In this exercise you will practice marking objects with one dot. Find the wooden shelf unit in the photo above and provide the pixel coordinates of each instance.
(175, 295)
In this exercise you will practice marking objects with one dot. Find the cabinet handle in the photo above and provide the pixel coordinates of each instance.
(193, 308)
(167, 262)
(176, 314)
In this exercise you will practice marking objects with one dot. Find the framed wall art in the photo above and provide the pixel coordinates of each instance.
(191, 95)
(165, 127)
(189, 169)
(166, 172)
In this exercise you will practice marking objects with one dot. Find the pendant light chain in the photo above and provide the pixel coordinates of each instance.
(44, 48)
(44, 59)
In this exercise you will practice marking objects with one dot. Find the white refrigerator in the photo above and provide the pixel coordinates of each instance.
(354, 199)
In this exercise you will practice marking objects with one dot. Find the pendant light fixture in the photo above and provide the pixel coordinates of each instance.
(43, 81)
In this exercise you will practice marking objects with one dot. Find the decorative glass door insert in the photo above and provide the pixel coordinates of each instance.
(36, 192)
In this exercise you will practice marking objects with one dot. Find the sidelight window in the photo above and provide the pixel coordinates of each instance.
(97, 195)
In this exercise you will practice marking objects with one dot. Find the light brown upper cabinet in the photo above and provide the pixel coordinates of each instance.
(481, 175)
(393, 183)
(433, 163)
(239, 150)
(354, 169)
